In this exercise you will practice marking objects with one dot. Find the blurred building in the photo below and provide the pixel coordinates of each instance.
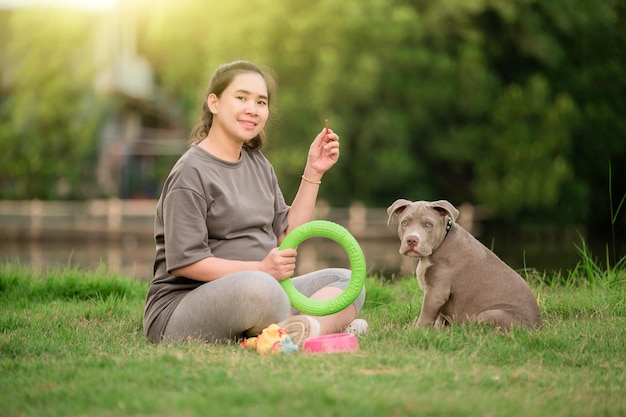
(145, 131)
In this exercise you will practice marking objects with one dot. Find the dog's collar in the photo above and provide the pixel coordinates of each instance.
(448, 226)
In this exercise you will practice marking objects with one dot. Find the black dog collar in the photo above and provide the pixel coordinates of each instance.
(448, 226)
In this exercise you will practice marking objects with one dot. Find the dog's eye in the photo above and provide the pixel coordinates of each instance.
(429, 224)
(405, 223)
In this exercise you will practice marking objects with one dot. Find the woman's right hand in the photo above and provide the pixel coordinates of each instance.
(281, 264)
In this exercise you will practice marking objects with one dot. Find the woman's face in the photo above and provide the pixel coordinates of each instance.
(243, 107)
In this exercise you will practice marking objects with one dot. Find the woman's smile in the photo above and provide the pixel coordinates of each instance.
(248, 124)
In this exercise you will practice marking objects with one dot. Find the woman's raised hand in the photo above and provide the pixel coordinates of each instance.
(323, 153)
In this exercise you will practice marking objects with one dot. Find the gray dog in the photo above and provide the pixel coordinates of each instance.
(462, 280)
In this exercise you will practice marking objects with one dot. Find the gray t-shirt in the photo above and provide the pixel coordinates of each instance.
(210, 207)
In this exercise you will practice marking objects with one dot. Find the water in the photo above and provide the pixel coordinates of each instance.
(117, 234)
(133, 256)
(130, 257)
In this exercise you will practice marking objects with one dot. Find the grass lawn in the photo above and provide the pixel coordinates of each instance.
(71, 345)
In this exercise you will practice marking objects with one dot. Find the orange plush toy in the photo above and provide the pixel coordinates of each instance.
(272, 339)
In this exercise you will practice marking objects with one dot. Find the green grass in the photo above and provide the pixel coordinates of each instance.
(71, 345)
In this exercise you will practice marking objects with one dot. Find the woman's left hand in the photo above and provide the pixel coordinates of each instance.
(323, 154)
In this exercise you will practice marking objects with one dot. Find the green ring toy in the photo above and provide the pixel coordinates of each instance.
(330, 230)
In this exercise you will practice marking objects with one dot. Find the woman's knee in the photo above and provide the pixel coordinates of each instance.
(343, 276)
(262, 288)
(330, 277)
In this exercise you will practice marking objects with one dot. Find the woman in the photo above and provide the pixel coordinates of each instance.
(220, 219)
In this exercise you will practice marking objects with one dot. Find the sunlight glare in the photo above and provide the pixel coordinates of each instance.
(79, 4)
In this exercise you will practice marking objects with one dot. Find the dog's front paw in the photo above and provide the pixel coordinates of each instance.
(423, 322)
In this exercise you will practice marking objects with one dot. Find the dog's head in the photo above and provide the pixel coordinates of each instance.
(422, 225)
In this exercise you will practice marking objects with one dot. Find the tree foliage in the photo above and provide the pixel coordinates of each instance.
(49, 120)
(516, 105)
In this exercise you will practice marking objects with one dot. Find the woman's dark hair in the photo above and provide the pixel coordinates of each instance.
(220, 80)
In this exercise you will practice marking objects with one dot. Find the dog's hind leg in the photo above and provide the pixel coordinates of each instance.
(442, 322)
(502, 319)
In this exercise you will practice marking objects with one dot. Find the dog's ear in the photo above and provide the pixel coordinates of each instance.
(397, 208)
(446, 207)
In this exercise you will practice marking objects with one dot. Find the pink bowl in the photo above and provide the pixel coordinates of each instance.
(338, 342)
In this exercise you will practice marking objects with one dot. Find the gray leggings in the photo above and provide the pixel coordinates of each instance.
(245, 303)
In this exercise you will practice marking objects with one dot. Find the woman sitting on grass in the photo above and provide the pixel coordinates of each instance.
(220, 219)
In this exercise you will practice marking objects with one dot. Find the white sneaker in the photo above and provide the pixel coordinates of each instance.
(357, 327)
(299, 328)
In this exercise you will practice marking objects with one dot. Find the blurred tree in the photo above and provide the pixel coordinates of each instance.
(593, 36)
(517, 105)
(524, 167)
(50, 119)
(486, 101)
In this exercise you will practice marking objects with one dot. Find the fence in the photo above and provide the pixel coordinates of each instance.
(63, 220)
(120, 232)
(110, 219)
